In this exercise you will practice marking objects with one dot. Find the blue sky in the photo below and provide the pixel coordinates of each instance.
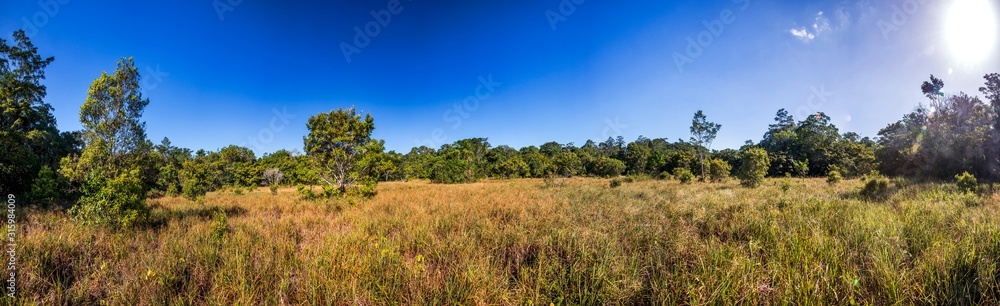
(252, 73)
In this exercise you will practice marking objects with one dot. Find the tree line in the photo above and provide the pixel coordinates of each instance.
(106, 170)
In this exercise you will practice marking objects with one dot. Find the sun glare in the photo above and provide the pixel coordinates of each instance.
(971, 30)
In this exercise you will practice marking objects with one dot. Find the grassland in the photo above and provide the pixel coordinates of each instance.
(574, 241)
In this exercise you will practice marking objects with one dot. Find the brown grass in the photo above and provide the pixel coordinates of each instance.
(529, 242)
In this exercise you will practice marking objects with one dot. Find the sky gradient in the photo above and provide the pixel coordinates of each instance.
(518, 72)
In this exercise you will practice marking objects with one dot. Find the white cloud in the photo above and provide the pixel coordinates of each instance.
(820, 25)
(802, 34)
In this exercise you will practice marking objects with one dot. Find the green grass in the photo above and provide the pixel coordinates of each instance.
(576, 241)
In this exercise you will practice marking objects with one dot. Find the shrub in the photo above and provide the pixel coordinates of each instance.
(665, 176)
(194, 188)
(833, 175)
(173, 190)
(786, 185)
(754, 163)
(800, 168)
(118, 202)
(719, 170)
(684, 175)
(966, 182)
(306, 193)
(273, 176)
(876, 187)
(274, 189)
(45, 189)
(220, 224)
(615, 183)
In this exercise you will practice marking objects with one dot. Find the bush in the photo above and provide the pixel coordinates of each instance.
(966, 182)
(220, 224)
(719, 170)
(684, 175)
(876, 187)
(273, 176)
(754, 163)
(833, 175)
(45, 189)
(665, 176)
(800, 168)
(608, 167)
(194, 188)
(306, 193)
(118, 202)
(615, 183)
(274, 189)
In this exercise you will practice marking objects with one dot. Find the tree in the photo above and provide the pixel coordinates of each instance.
(567, 164)
(753, 167)
(339, 141)
(538, 164)
(636, 156)
(235, 166)
(991, 90)
(419, 162)
(195, 177)
(29, 139)
(702, 134)
(608, 167)
(506, 162)
(719, 170)
(115, 166)
(453, 166)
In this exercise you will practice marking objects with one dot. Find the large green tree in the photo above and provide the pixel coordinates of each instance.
(341, 144)
(116, 163)
(29, 139)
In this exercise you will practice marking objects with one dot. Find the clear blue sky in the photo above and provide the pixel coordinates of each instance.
(606, 68)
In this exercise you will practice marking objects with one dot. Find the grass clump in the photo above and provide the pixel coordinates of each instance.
(876, 187)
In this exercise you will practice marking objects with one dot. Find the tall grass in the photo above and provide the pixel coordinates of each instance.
(522, 242)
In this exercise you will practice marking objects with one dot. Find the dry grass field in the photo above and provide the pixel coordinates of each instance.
(512, 242)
